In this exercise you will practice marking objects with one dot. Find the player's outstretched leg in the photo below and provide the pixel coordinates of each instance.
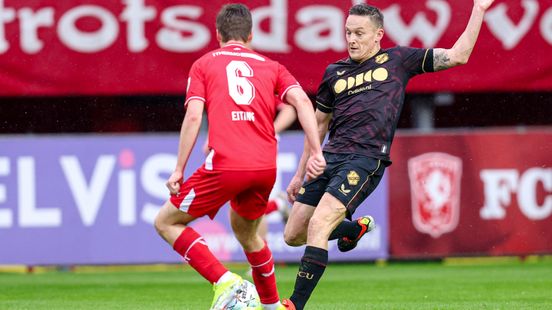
(365, 224)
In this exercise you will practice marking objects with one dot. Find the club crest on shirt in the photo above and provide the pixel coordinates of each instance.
(382, 58)
(301, 191)
(353, 178)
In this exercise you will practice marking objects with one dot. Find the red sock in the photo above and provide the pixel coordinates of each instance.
(195, 251)
(262, 265)
(271, 206)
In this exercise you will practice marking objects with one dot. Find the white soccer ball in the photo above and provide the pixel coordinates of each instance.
(245, 298)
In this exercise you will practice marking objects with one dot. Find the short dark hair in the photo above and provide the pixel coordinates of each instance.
(234, 22)
(370, 11)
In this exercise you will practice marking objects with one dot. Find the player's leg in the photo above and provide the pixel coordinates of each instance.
(263, 228)
(352, 179)
(362, 176)
(276, 204)
(171, 224)
(328, 214)
(245, 231)
(354, 231)
(200, 195)
(259, 257)
(247, 210)
(295, 232)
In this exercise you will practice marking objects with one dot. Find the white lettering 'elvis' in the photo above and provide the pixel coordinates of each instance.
(243, 116)
(238, 54)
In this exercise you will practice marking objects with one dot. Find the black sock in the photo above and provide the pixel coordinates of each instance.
(346, 229)
(312, 267)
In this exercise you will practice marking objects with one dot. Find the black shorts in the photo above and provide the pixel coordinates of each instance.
(348, 177)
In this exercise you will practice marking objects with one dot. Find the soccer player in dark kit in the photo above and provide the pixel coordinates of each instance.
(359, 101)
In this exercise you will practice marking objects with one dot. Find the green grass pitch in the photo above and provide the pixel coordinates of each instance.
(509, 284)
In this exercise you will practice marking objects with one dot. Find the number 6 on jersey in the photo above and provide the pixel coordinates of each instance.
(239, 87)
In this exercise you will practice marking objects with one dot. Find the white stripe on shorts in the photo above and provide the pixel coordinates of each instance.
(209, 160)
(185, 205)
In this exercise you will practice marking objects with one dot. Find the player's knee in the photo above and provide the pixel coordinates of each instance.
(244, 242)
(160, 225)
(294, 238)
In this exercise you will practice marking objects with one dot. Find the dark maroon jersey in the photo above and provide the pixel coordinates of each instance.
(366, 99)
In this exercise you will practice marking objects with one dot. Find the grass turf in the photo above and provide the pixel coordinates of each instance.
(473, 285)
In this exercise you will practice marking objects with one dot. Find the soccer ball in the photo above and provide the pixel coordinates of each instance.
(245, 298)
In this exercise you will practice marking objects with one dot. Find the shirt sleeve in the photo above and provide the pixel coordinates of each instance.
(417, 60)
(285, 81)
(196, 84)
(325, 96)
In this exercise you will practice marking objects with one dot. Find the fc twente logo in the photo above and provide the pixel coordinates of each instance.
(435, 191)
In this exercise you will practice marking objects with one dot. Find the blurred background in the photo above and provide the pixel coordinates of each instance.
(91, 102)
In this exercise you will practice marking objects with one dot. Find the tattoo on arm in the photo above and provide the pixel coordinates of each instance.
(441, 60)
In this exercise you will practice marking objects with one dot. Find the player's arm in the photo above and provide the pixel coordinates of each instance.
(188, 136)
(462, 49)
(322, 121)
(286, 116)
(305, 112)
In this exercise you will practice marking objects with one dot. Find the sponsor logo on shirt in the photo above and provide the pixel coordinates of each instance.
(379, 74)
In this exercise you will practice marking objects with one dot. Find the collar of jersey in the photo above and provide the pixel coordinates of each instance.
(235, 44)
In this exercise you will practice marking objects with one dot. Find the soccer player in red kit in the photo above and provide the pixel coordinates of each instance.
(236, 86)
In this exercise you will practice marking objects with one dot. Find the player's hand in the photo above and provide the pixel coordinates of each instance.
(293, 188)
(483, 4)
(173, 183)
(315, 166)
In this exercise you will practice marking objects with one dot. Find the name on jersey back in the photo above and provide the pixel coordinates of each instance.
(243, 116)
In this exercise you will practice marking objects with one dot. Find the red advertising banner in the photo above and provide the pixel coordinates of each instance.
(462, 194)
(79, 47)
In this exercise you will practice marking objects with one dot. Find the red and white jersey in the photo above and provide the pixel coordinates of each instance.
(238, 87)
